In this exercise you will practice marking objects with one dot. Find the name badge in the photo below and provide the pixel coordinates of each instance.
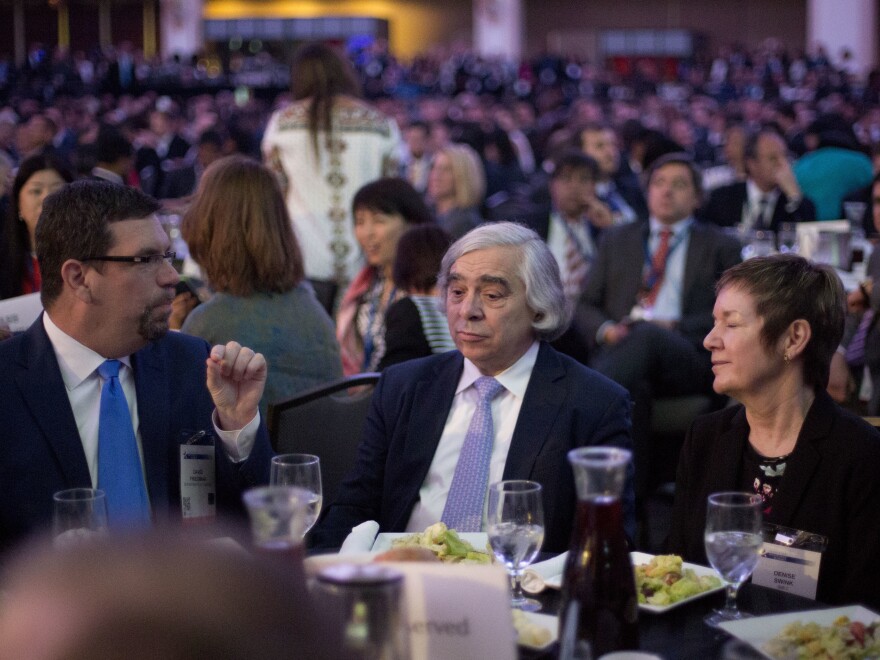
(198, 491)
(790, 560)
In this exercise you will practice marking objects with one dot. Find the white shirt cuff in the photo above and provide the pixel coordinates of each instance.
(238, 444)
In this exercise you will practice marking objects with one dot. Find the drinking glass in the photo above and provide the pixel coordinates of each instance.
(80, 514)
(733, 538)
(516, 531)
(302, 471)
(278, 520)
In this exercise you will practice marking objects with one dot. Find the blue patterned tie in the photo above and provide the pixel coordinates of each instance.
(464, 504)
(119, 466)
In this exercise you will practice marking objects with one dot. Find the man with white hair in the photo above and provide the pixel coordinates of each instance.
(505, 405)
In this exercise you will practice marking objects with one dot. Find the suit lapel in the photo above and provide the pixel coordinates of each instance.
(699, 255)
(154, 422)
(544, 398)
(432, 399)
(39, 379)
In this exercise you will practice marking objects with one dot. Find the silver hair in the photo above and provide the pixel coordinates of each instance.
(538, 270)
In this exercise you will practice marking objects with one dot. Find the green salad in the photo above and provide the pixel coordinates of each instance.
(446, 544)
(663, 581)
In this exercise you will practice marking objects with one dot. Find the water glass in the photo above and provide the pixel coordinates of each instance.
(79, 514)
(278, 519)
(733, 539)
(302, 471)
(516, 531)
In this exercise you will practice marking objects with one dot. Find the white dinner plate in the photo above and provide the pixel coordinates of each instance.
(548, 621)
(479, 540)
(644, 558)
(759, 630)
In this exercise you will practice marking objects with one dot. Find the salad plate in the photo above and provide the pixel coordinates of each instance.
(644, 558)
(383, 541)
(758, 631)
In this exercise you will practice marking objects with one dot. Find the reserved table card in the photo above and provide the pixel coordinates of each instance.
(457, 611)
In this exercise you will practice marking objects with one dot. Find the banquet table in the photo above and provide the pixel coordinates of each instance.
(680, 632)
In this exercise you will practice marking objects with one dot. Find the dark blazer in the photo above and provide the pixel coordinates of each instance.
(725, 206)
(830, 487)
(40, 448)
(616, 277)
(566, 405)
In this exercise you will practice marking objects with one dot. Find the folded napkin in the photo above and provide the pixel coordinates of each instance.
(533, 579)
(361, 538)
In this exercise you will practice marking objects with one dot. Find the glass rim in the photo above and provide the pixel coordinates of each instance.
(600, 456)
(294, 458)
(78, 494)
(734, 498)
(516, 486)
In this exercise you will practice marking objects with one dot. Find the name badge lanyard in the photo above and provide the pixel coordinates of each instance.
(654, 275)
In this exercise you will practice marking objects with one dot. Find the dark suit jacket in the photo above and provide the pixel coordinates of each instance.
(40, 448)
(830, 487)
(616, 277)
(566, 405)
(725, 206)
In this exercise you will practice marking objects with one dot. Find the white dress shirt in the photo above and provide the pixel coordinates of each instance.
(505, 412)
(557, 241)
(79, 364)
(667, 306)
(752, 206)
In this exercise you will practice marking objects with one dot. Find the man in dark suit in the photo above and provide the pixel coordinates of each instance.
(503, 300)
(107, 291)
(769, 197)
(617, 186)
(648, 300)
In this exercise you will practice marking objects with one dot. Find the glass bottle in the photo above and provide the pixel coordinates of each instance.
(599, 612)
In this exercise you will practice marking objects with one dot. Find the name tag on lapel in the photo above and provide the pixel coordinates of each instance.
(198, 489)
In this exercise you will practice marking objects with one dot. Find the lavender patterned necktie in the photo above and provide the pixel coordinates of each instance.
(464, 504)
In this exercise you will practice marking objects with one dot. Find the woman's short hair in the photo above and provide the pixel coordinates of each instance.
(419, 254)
(239, 231)
(786, 288)
(537, 268)
(467, 173)
(393, 196)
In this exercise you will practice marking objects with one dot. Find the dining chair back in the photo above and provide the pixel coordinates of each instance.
(326, 421)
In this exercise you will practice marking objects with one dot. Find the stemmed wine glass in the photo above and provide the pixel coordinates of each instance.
(302, 471)
(516, 531)
(733, 538)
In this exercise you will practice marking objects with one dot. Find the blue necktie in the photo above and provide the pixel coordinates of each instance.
(119, 466)
(464, 504)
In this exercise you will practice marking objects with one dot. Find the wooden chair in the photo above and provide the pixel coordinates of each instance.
(326, 421)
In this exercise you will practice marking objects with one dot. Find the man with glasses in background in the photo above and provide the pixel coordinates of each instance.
(97, 393)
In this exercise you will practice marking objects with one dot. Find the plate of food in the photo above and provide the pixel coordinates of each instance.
(664, 582)
(446, 544)
(843, 633)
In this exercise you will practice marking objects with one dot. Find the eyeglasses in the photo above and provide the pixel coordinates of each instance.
(148, 259)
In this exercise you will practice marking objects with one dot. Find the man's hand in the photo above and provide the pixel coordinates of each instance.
(616, 333)
(597, 211)
(786, 180)
(181, 306)
(236, 379)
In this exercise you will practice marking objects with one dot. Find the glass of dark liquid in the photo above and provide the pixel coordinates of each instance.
(279, 519)
(599, 612)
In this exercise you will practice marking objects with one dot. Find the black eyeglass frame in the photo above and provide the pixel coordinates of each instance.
(151, 259)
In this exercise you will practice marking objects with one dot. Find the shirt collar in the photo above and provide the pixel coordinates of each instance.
(754, 193)
(76, 362)
(515, 378)
(677, 228)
